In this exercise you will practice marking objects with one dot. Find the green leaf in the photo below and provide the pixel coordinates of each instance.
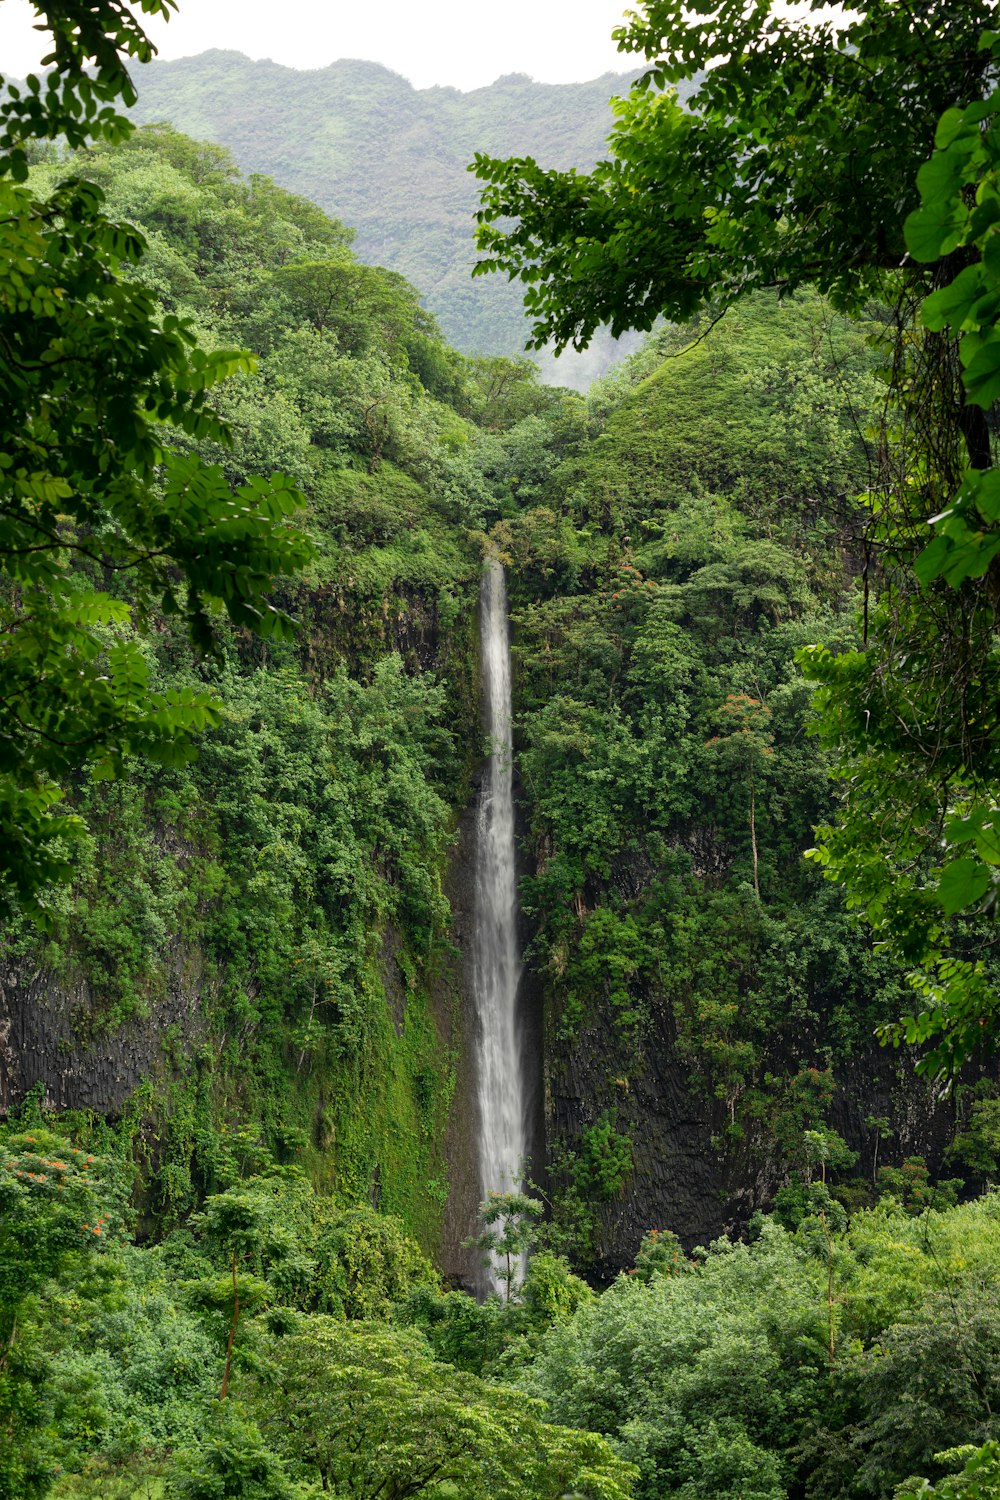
(981, 377)
(984, 490)
(952, 305)
(933, 559)
(963, 882)
(931, 232)
(950, 125)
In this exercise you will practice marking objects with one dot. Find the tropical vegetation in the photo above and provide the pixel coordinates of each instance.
(751, 582)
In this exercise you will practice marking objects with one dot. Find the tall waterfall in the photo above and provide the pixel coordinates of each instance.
(496, 961)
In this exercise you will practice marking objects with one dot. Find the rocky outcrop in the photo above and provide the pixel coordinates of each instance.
(694, 1175)
(50, 1034)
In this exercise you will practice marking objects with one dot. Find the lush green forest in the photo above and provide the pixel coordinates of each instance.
(238, 1238)
(392, 161)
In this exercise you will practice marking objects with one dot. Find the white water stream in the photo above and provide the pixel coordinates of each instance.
(496, 959)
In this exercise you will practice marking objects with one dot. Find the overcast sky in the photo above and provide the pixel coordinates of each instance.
(466, 43)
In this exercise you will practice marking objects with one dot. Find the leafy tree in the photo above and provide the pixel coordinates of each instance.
(832, 1362)
(369, 1413)
(826, 1150)
(473, 1336)
(783, 169)
(910, 1184)
(931, 1380)
(230, 1462)
(366, 1264)
(249, 1226)
(90, 489)
(695, 1369)
(927, 751)
(660, 1254)
(783, 166)
(551, 1292)
(503, 391)
(509, 1228)
(744, 747)
(977, 1143)
(56, 1210)
(978, 1479)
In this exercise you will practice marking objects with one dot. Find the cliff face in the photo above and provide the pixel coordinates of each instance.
(265, 946)
(383, 1130)
(688, 1174)
(48, 1037)
(689, 1171)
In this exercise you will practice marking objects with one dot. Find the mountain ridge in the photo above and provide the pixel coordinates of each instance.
(391, 160)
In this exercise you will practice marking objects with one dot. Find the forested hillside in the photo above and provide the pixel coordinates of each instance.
(392, 161)
(251, 931)
(242, 1254)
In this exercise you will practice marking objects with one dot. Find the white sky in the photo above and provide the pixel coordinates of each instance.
(466, 43)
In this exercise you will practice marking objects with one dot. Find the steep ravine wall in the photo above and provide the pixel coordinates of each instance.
(690, 1172)
(48, 1035)
(366, 1110)
(685, 1176)
(688, 1175)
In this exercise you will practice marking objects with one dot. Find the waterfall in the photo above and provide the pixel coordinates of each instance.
(496, 961)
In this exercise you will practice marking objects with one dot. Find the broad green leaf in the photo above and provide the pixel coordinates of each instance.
(933, 559)
(951, 123)
(963, 882)
(981, 376)
(931, 232)
(951, 306)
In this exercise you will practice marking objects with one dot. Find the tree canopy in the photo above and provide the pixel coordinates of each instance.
(792, 161)
(104, 518)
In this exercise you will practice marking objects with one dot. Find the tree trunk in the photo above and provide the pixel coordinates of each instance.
(976, 432)
(753, 843)
(232, 1333)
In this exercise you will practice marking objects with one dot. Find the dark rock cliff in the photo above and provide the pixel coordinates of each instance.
(49, 1034)
(688, 1175)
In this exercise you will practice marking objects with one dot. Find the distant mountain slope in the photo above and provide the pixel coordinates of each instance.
(391, 161)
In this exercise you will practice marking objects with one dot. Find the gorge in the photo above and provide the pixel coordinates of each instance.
(283, 934)
(447, 843)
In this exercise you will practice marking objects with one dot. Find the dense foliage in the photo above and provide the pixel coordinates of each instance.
(659, 605)
(364, 144)
(277, 1343)
(924, 741)
(786, 168)
(286, 886)
(102, 517)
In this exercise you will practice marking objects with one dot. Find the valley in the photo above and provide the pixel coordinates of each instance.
(454, 1038)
